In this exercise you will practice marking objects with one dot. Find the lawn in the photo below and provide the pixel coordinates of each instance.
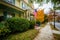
(28, 35)
(53, 27)
(56, 36)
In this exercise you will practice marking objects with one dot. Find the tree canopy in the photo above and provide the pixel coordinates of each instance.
(55, 2)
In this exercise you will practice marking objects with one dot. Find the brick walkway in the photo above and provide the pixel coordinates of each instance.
(45, 33)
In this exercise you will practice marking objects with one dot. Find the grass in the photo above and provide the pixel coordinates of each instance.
(28, 35)
(53, 27)
(57, 36)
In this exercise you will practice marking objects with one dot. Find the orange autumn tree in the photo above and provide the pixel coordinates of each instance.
(40, 15)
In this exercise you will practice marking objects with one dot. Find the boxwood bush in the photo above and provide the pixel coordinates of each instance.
(4, 31)
(18, 24)
(32, 24)
(38, 22)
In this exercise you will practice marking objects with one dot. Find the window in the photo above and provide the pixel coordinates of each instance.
(10, 1)
(24, 6)
(10, 15)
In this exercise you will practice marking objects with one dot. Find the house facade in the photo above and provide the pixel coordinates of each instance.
(14, 8)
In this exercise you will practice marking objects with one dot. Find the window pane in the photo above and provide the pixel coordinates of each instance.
(10, 1)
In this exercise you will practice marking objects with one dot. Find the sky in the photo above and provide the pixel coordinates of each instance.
(45, 6)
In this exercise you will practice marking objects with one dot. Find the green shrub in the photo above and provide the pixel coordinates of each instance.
(32, 24)
(18, 24)
(4, 31)
(38, 22)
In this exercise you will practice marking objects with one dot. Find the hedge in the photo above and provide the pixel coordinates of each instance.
(12, 25)
(38, 22)
(32, 24)
(4, 31)
(17, 24)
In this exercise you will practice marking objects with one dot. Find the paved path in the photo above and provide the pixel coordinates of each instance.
(45, 33)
